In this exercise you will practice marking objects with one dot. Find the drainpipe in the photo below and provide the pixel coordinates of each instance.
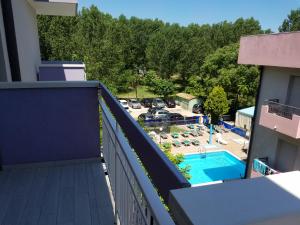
(250, 151)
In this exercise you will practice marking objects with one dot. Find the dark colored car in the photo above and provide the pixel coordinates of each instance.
(147, 102)
(197, 108)
(170, 103)
(145, 116)
(154, 109)
(175, 117)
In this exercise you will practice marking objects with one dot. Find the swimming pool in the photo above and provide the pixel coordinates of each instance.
(213, 166)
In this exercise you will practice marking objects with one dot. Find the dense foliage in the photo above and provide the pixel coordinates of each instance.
(292, 22)
(220, 68)
(216, 104)
(122, 52)
(177, 159)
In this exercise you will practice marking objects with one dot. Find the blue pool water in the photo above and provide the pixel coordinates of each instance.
(214, 167)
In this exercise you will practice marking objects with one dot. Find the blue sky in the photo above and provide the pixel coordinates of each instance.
(270, 13)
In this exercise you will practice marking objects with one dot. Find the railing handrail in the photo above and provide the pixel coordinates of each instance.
(267, 166)
(283, 110)
(163, 173)
(159, 212)
(281, 104)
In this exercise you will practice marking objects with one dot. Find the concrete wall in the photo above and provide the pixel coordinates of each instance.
(46, 121)
(5, 74)
(281, 50)
(192, 103)
(243, 121)
(275, 85)
(187, 104)
(27, 39)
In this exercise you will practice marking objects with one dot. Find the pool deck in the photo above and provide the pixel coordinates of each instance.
(235, 144)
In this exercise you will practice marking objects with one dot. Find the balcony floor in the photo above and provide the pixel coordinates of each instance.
(66, 194)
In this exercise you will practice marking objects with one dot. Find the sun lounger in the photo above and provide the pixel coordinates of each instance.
(164, 135)
(186, 142)
(191, 126)
(194, 133)
(218, 129)
(245, 146)
(176, 143)
(195, 142)
(185, 133)
(220, 140)
(200, 132)
(175, 135)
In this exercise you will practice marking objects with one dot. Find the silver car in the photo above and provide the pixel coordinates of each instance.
(158, 103)
(134, 103)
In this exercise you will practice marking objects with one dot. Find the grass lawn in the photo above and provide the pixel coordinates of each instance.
(142, 92)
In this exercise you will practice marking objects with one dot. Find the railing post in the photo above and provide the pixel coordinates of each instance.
(115, 184)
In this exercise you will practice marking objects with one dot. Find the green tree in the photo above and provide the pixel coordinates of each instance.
(220, 68)
(216, 104)
(292, 22)
(163, 87)
(115, 50)
(176, 159)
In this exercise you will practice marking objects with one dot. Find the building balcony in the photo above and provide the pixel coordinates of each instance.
(53, 159)
(281, 118)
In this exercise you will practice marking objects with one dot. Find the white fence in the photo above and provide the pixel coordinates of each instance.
(136, 201)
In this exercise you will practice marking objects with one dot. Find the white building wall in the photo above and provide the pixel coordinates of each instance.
(274, 85)
(4, 47)
(243, 121)
(27, 39)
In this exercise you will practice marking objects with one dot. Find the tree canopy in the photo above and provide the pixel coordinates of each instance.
(220, 68)
(115, 50)
(292, 22)
(123, 52)
(216, 104)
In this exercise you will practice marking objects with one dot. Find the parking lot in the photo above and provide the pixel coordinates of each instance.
(136, 112)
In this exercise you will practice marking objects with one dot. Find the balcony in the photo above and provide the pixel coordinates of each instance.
(281, 118)
(53, 160)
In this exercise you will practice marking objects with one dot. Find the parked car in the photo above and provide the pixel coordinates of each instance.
(134, 103)
(158, 102)
(175, 117)
(170, 102)
(145, 117)
(124, 103)
(161, 114)
(147, 102)
(152, 110)
(198, 108)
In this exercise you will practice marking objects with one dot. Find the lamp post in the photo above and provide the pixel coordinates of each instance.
(210, 131)
(160, 129)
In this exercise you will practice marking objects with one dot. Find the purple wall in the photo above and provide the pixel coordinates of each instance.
(48, 124)
(61, 73)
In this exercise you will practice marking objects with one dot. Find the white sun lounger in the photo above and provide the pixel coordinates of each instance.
(220, 140)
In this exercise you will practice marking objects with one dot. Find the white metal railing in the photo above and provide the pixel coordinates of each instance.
(136, 201)
(262, 168)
